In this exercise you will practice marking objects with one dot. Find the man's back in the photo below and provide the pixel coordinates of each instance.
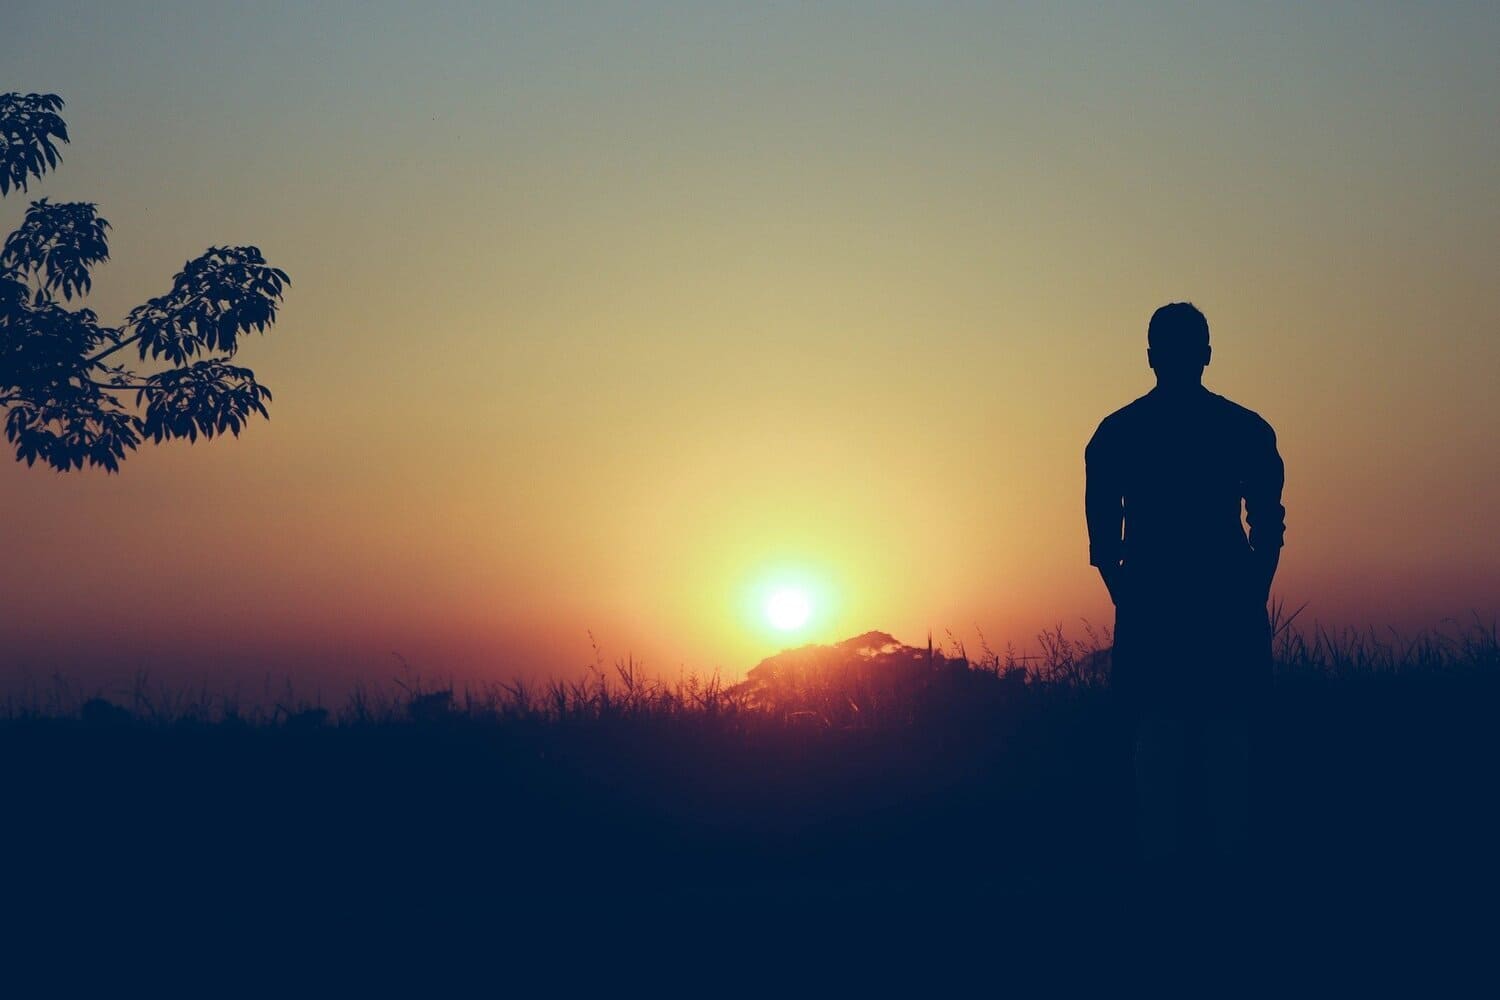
(1174, 468)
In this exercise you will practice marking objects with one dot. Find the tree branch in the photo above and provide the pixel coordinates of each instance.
(108, 351)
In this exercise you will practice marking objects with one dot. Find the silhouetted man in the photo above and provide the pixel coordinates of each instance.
(1192, 654)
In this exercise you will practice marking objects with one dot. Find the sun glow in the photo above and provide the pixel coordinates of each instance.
(787, 602)
(788, 608)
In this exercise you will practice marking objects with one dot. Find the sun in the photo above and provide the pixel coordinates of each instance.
(788, 608)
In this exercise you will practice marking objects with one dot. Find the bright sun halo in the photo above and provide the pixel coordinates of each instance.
(788, 608)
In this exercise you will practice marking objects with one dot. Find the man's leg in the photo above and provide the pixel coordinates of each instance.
(1160, 750)
(1225, 779)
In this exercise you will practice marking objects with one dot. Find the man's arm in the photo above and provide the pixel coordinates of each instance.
(1264, 512)
(1103, 503)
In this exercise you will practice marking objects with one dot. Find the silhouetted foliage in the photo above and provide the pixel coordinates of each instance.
(71, 402)
(865, 680)
(30, 123)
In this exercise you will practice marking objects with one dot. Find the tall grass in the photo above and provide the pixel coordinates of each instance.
(950, 678)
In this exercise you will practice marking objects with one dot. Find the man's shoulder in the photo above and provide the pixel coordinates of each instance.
(1242, 415)
(1123, 417)
(1115, 431)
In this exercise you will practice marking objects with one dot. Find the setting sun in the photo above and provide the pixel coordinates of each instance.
(788, 608)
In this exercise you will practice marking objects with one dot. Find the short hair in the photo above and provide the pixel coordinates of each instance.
(1177, 326)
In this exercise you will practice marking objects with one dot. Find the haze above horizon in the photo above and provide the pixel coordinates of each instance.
(627, 321)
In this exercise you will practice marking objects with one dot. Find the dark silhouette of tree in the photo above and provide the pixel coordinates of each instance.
(70, 395)
(870, 679)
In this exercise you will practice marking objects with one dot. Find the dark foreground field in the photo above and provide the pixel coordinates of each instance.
(967, 800)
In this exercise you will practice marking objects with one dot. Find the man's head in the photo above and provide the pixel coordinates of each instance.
(1177, 344)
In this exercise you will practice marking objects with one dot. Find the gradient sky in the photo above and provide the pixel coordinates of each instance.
(604, 318)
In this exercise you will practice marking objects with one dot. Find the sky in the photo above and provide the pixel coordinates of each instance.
(609, 320)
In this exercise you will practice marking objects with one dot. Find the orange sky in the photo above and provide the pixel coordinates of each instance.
(603, 321)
